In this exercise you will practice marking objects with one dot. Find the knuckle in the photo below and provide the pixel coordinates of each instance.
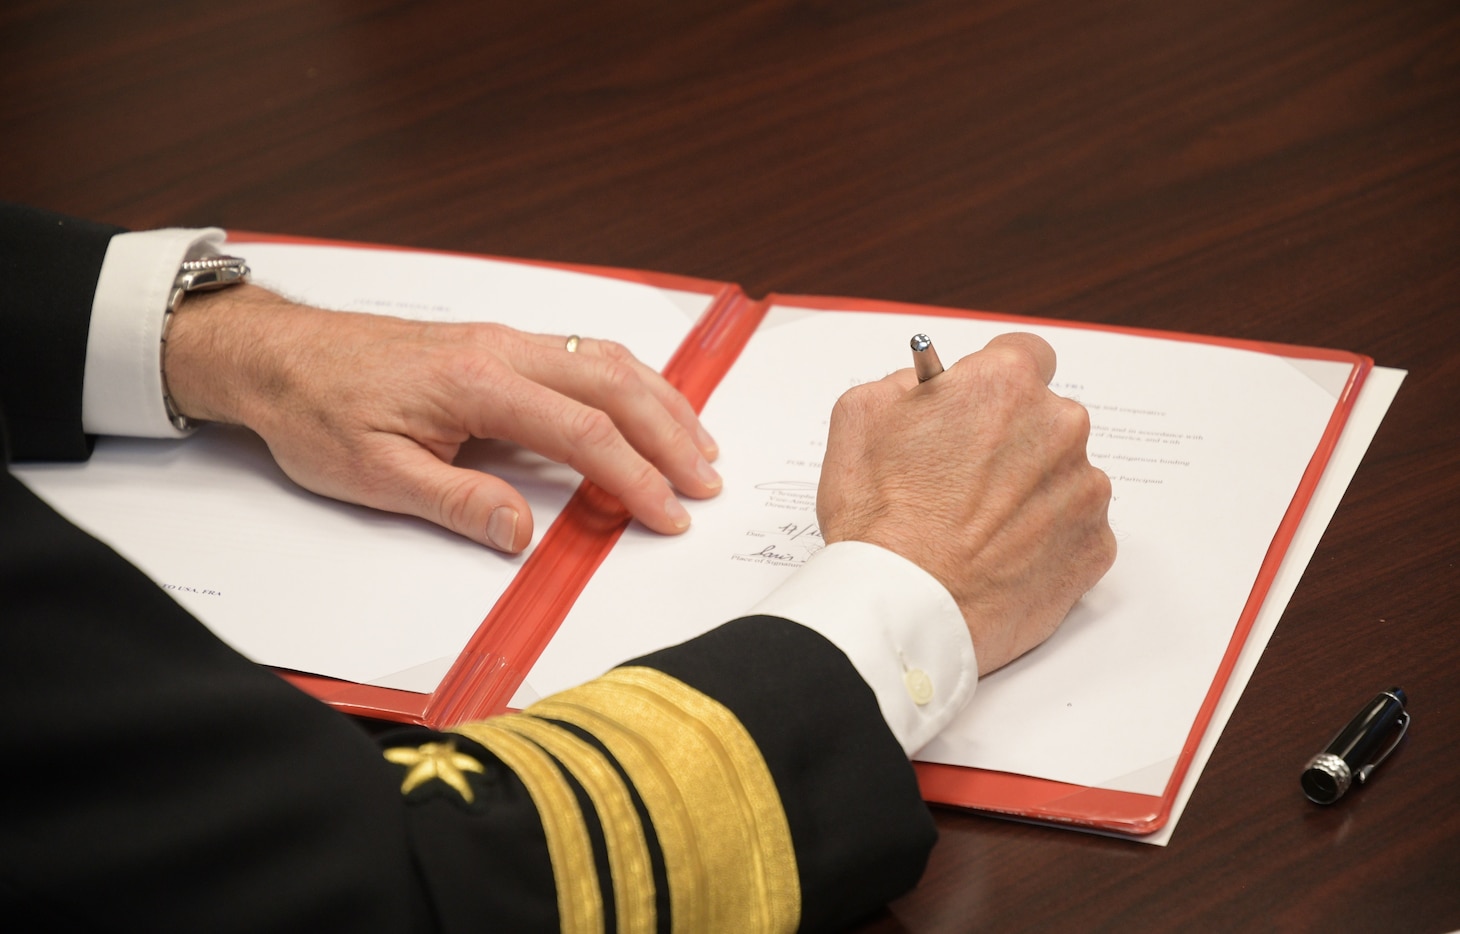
(491, 332)
(591, 428)
(865, 397)
(453, 504)
(614, 352)
(1094, 504)
(472, 339)
(1091, 490)
(1002, 377)
(619, 379)
(642, 476)
(475, 355)
(668, 436)
(1014, 357)
(856, 411)
(1071, 423)
(849, 405)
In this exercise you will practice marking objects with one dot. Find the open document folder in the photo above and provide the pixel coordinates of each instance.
(1213, 448)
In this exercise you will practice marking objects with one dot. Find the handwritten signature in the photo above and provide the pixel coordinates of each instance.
(770, 553)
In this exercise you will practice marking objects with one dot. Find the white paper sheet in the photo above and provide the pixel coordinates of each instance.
(1205, 446)
(298, 581)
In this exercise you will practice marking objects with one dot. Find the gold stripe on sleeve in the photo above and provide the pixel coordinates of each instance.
(623, 833)
(580, 903)
(727, 845)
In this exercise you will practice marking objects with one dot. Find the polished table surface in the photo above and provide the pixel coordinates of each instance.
(1284, 170)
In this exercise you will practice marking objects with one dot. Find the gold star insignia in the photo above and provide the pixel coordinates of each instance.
(435, 760)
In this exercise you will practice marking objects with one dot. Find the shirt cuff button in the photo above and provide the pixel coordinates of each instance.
(919, 685)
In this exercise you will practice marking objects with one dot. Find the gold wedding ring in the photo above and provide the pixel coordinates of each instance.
(572, 344)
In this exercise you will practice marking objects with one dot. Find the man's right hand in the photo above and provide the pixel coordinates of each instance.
(980, 477)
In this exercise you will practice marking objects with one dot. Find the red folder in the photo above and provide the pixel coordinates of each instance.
(517, 629)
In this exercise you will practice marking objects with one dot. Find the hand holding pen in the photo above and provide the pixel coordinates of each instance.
(983, 482)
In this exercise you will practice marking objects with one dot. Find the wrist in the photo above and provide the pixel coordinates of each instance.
(215, 358)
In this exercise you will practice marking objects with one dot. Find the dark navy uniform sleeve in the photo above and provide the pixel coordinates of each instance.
(49, 266)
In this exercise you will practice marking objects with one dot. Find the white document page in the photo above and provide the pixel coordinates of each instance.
(1205, 446)
(298, 581)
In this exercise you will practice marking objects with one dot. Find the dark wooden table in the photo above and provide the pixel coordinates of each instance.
(1286, 170)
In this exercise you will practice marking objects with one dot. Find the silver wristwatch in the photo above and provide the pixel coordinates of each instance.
(196, 275)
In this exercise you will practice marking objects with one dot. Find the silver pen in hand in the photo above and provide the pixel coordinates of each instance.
(925, 358)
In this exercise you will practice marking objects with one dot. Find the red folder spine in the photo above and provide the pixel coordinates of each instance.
(518, 628)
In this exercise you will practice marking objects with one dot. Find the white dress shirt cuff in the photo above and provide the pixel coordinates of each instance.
(122, 392)
(896, 623)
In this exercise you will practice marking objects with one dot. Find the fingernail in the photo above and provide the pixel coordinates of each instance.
(678, 515)
(708, 446)
(708, 476)
(502, 528)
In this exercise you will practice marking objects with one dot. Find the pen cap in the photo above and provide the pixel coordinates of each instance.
(1356, 751)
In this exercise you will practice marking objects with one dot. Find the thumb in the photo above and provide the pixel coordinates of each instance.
(473, 504)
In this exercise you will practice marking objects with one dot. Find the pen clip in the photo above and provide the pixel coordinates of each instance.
(1363, 774)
